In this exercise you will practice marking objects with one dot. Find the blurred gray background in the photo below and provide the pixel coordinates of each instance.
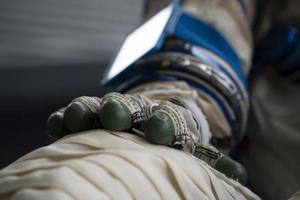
(52, 51)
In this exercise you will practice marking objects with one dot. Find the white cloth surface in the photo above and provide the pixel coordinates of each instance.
(114, 165)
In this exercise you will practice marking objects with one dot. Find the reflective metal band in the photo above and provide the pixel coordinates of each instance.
(213, 60)
(175, 45)
(190, 64)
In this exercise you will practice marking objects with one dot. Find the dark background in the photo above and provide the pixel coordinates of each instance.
(52, 51)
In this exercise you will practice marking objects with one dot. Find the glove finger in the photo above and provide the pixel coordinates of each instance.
(122, 111)
(82, 114)
(56, 127)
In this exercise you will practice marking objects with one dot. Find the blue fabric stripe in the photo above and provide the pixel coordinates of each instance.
(199, 33)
